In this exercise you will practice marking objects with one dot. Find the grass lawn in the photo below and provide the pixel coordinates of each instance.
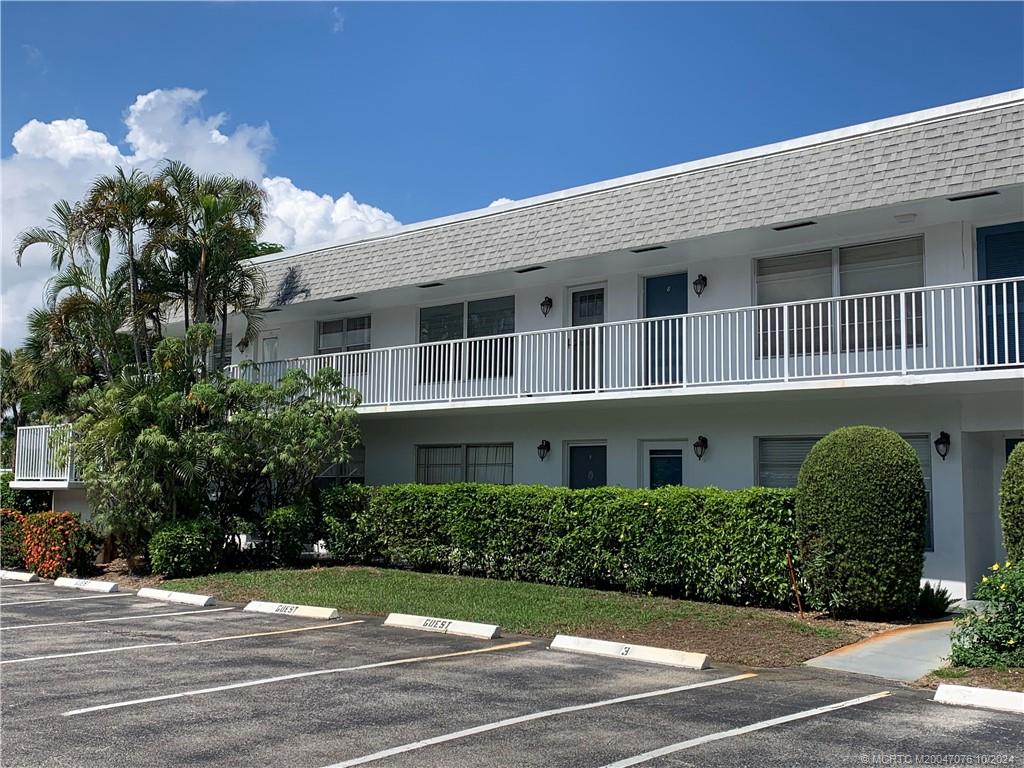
(728, 634)
(1006, 678)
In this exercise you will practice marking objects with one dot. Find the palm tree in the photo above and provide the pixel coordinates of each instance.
(122, 206)
(17, 380)
(93, 301)
(209, 212)
(64, 233)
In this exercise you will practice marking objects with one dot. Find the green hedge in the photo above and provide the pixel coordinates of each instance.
(707, 544)
(861, 513)
(186, 548)
(12, 539)
(290, 529)
(1011, 504)
(343, 511)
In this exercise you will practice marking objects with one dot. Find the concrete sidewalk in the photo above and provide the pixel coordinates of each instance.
(902, 654)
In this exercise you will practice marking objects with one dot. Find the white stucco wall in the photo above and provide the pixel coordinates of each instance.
(731, 428)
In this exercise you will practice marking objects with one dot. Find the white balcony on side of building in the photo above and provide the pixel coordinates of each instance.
(973, 330)
(44, 459)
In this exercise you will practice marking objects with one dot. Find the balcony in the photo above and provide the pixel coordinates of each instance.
(932, 331)
(44, 459)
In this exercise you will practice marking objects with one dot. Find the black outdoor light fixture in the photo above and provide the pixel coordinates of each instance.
(546, 305)
(543, 449)
(700, 445)
(700, 284)
(942, 445)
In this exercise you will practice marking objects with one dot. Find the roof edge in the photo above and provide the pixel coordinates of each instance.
(882, 125)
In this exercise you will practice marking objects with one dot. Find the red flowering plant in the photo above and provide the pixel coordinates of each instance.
(57, 544)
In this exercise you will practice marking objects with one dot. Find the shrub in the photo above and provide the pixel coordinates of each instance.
(1011, 504)
(290, 529)
(58, 544)
(12, 539)
(994, 635)
(186, 548)
(933, 602)
(26, 502)
(343, 509)
(707, 544)
(861, 514)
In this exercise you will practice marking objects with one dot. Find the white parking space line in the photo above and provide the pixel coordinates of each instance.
(6, 586)
(680, 746)
(141, 617)
(65, 599)
(176, 643)
(297, 676)
(533, 716)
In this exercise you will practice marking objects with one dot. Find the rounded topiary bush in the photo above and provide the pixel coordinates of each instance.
(1011, 504)
(861, 514)
(186, 548)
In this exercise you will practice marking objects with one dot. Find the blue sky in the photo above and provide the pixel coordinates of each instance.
(360, 116)
(425, 109)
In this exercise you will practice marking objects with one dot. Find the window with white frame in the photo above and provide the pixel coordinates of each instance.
(347, 334)
(854, 324)
(779, 460)
(474, 463)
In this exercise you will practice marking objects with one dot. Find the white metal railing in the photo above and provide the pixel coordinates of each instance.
(44, 453)
(962, 327)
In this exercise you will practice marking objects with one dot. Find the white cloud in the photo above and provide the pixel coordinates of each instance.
(500, 202)
(59, 159)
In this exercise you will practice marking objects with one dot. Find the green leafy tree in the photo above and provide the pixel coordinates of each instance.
(182, 443)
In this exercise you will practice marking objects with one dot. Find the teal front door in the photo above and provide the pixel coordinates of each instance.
(1001, 257)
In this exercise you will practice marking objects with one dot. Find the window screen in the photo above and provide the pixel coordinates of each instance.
(441, 323)
(464, 463)
(489, 463)
(345, 335)
(490, 317)
(790, 279)
(779, 459)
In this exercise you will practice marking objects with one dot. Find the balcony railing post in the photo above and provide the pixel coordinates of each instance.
(389, 370)
(785, 343)
(450, 346)
(903, 332)
(597, 358)
(517, 366)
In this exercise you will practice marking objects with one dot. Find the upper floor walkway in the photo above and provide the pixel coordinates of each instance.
(972, 328)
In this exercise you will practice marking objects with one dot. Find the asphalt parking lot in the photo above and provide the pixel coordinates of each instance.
(116, 680)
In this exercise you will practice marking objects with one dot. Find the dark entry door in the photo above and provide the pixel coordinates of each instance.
(1001, 257)
(587, 311)
(588, 466)
(665, 296)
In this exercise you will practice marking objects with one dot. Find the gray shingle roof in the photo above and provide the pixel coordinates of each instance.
(948, 155)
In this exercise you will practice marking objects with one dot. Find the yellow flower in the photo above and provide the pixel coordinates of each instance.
(984, 579)
(995, 566)
(1002, 587)
(1011, 641)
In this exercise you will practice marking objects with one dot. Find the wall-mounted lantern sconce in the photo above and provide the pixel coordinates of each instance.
(942, 445)
(700, 445)
(543, 449)
(546, 305)
(700, 284)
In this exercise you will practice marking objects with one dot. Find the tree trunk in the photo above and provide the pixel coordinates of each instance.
(223, 330)
(133, 302)
(199, 298)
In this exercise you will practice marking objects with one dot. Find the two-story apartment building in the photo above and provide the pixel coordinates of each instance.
(701, 324)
